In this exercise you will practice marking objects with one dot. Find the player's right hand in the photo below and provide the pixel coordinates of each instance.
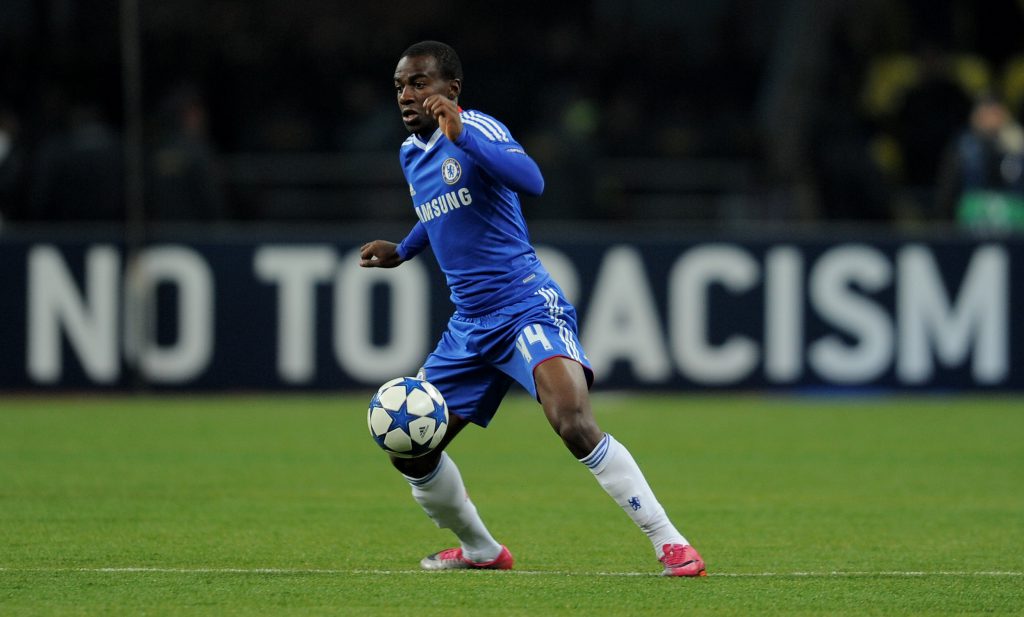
(446, 112)
(379, 254)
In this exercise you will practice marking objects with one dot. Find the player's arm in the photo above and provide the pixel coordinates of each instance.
(505, 161)
(384, 254)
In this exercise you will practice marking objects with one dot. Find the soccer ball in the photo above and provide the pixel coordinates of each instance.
(407, 417)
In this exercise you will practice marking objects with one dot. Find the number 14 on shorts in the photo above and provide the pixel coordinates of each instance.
(532, 335)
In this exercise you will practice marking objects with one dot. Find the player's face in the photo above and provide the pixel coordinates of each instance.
(416, 78)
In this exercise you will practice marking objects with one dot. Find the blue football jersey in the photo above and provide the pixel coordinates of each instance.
(465, 195)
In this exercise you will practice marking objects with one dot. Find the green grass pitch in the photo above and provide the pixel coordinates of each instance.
(282, 505)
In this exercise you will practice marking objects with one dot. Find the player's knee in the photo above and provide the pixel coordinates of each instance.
(571, 418)
(573, 433)
(419, 467)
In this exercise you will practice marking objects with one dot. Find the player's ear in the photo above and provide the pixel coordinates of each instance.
(454, 88)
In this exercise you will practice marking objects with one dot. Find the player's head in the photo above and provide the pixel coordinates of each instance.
(448, 62)
(426, 68)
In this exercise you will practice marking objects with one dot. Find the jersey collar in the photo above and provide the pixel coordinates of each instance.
(415, 140)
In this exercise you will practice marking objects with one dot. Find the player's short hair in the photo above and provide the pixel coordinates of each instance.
(447, 60)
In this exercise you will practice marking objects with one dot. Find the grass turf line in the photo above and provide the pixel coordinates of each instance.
(759, 484)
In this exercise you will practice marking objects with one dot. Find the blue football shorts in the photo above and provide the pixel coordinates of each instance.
(478, 358)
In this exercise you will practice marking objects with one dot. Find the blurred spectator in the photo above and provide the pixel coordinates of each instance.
(850, 185)
(930, 116)
(982, 181)
(368, 118)
(78, 172)
(567, 154)
(184, 183)
(12, 166)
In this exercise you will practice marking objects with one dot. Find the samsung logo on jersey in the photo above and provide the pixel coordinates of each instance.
(452, 200)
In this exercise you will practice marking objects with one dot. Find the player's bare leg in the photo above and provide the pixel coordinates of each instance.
(437, 486)
(562, 389)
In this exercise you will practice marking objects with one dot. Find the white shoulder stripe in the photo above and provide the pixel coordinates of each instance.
(483, 129)
(491, 122)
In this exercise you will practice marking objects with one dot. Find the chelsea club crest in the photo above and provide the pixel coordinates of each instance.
(451, 171)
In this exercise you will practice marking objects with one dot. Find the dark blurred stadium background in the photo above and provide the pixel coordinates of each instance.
(811, 193)
(725, 112)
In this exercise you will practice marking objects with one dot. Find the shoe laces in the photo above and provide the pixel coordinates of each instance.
(675, 555)
(450, 554)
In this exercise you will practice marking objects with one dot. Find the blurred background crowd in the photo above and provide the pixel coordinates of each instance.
(901, 112)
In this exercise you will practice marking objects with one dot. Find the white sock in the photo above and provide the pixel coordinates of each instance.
(443, 497)
(619, 475)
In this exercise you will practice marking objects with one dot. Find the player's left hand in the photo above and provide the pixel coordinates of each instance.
(447, 113)
(379, 254)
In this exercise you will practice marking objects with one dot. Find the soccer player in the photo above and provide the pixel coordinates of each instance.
(512, 322)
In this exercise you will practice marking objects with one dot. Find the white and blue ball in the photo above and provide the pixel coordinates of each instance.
(407, 417)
